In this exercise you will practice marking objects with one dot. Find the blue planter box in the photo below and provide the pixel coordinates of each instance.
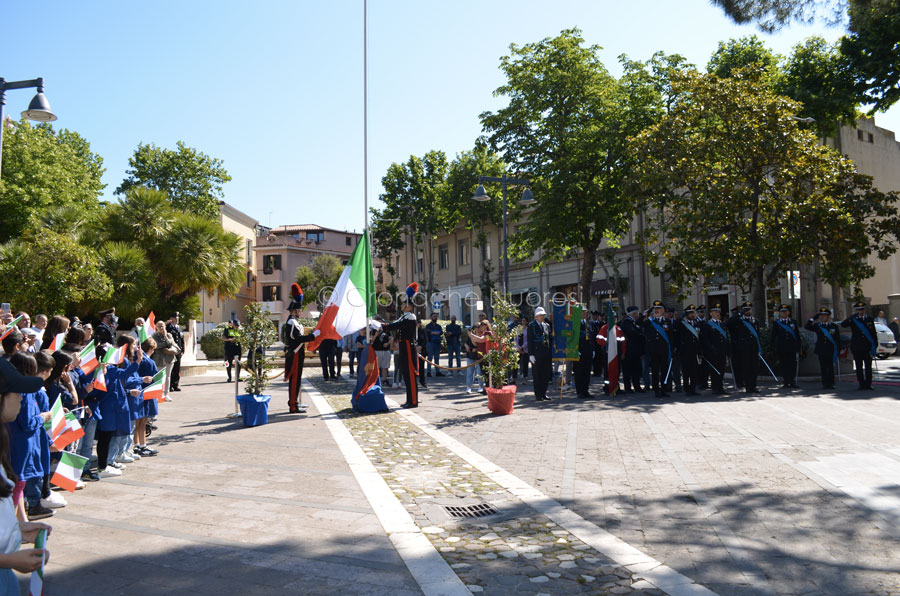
(254, 409)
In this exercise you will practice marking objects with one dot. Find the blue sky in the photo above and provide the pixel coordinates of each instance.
(274, 88)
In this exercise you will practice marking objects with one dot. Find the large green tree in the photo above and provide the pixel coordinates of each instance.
(732, 185)
(191, 179)
(44, 167)
(566, 128)
(317, 279)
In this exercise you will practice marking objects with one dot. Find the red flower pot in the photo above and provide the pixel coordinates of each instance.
(500, 401)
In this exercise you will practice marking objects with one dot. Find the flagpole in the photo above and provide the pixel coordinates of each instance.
(366, 149)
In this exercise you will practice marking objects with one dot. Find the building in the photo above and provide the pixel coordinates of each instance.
(460, 265)
(280, 251)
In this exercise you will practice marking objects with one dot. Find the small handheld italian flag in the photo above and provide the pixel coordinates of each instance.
(155, 389)
(12, 326)
(71, 432)
(57, 418)
(114, 356)
(99, 382)
(36, 586)
(58, 340)
(145, 331)
(68, 472)
(88, 357)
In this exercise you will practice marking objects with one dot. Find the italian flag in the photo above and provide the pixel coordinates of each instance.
(71, 432)
(114, 356)
(36, 585)
(57, 342)
(155, 389)
(353, 299)
(68, 472)
(12, 326)
(99, 382)
(612, 351)
(88, 357)
(57, 418)
(146, 331)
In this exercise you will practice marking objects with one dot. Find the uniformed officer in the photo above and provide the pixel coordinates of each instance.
(715, 347)
(786, 345)
(744, 332)
(863, 343)
(634, 351)
(105, 333)
(599, 364)
(687, 340)
(828, 341)
(582, 366)
(675, 375)
(539, 353)
(658, 335)
(703, 382)
(407, 331)
(294, 338)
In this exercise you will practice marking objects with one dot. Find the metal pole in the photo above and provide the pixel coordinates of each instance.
(505, 243)
(2, 123)
(366, 115)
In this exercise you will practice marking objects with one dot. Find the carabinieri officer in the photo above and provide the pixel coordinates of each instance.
(658, 334)
(863, 343)
(828, 341)
(786, 341)
(407, 329)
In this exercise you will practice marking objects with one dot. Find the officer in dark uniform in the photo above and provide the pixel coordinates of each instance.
(687, 341)
(786, 344)
(744, 332)
(539, 353)
(407, 335)
(863, 343)
(703, 380)
(658, 336)
(675, 375)
(634, 351)
(294, 339)
(174, 329)
(735, 361)
(715, 347)
(599, 363)
(582, 367)
(230, 337)
(105, 333)
(828, 341)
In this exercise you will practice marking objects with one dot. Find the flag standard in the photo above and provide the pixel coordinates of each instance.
(88, 358)
(353, 299)
(155, 389)
(68, 471)
(612, 351)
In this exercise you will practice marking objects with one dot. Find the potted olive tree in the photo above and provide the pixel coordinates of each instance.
(257, 335)
(501, 357)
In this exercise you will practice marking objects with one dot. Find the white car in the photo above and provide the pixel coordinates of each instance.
(887, 345)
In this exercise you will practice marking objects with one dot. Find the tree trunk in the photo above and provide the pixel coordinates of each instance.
(587, 274)
(759, 295)
(837, 301)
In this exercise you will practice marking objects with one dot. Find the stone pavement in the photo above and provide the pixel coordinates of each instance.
(226, 509)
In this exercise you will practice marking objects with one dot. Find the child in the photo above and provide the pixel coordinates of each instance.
(89, 413)
(13, 532)
(149, 408)
(49, 498)
(25, 444)
(114, 416)
(120, 448)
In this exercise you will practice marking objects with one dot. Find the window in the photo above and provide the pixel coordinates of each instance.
(271, 263)
(315, 236)
(249, 280)
(444, 256)
(486, 250)
(347, 239)
(249, 252)
(865, 137)
(464, 256)
(271, 293)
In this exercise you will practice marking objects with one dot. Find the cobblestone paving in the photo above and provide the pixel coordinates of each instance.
(517, 551)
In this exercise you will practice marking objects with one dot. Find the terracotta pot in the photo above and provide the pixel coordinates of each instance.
(500, 401)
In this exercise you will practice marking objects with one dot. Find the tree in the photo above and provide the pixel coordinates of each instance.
(43, 168)
(732, 185)
(44, 271)
(257, 335)
(192, 180)
(566, 128)
(318, 278)
(743, 53)
(869, 49)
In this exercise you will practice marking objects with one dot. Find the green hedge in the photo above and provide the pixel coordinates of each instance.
(211, 343)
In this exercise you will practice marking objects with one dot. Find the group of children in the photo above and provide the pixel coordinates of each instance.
(106, 399)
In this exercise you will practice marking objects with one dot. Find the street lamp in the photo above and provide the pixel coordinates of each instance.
(38, 110)
(527, 199)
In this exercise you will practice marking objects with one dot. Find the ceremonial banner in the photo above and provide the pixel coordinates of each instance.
(353, 300)
(566, 329)
(368, 395)
(612, 350)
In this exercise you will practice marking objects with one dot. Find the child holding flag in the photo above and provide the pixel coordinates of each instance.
(120, 448)
(112, 397)
(149, 408)
(49, 499)
(12, 531)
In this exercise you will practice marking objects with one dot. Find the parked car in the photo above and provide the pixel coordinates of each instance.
(887, 346)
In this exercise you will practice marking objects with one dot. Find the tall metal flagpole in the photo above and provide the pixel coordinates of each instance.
(366, 116)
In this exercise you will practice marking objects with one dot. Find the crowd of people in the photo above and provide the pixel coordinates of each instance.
(105, 398)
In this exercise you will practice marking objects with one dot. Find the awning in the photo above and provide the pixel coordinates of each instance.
(602, 288)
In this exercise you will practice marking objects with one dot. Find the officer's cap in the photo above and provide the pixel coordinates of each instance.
(109, 311)
(747, 306)
(690, 308)
(631, 309)
(658, 304)
(716, 307)
(784, 307)
(860, 306)
(701, 308)
(824, 311)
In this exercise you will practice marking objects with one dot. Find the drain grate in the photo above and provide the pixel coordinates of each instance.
(470, 511)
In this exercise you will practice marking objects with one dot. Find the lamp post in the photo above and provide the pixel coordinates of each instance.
(526, 200)
(38, 110)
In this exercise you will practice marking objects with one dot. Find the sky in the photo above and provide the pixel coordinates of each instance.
(274, 88)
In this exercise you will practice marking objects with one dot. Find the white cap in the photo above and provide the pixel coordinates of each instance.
(540, 311)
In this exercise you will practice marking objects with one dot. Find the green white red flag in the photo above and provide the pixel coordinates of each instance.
(70, 433)
(68, 471)
(155, 389)
(11, 326)
(99, 382)
(114, 356)
(58, 340)
(146, 330)
(353, 300)
(612, 350)
(88, 358)
(57, 418)
(36, 586)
